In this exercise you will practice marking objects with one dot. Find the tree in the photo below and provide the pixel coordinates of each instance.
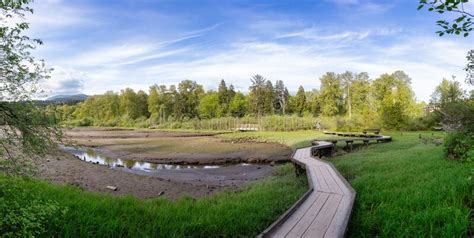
(361, 100)
(447, 100)
(470, 67)
(447, 92)
(257, 95)
(346, 80)
(130, 104)
(153, 101)
(330, 95)
(269, 98)
(187, 99)
(300, 101)
(312, 99)
(462, 24)
(395, 99)
(142, 104)
(239, 105)
(225, 97)
(27, 133)
(209, 105)
(281, 96)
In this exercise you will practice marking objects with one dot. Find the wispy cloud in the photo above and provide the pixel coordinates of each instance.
(364, 6)
(56, 14)
(206, 42)
(318, 34)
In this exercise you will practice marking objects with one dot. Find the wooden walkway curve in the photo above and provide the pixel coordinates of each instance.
(324, 211)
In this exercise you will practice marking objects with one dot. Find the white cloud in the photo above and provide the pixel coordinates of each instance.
(299, 56)
(296, 64)
(63, 81)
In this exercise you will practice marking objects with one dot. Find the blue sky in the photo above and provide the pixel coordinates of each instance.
(95, 46)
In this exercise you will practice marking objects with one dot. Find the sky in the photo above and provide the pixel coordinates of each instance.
(100, 45)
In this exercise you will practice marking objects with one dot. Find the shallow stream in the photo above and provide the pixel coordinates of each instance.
(91, 156)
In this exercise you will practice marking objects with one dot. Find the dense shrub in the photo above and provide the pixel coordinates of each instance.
(87, 121)
(24, 215)
(459, 146)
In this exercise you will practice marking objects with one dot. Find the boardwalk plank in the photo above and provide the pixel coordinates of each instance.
(341, 218)
(299, 229)
(296, 216)
(324, 218)
(326, 210)
(330, 180)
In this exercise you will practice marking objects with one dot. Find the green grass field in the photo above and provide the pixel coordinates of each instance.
(227, 214)
(405, 188)
(293, 139)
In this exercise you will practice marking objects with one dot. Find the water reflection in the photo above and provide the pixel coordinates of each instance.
(91, 156)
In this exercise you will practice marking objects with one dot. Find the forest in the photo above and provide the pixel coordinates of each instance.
(344, 101)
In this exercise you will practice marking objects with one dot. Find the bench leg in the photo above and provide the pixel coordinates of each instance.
(349, 146)
(298, 169)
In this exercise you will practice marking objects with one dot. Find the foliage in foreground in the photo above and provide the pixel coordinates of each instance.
(407, 189)
(460, 146)
(82, 214)
(26, 134)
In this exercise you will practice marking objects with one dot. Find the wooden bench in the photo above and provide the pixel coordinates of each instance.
(374, 130)
(350, 141)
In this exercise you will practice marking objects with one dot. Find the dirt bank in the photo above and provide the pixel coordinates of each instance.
(67, 169)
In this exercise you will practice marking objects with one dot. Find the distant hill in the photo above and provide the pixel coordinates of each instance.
(67, 98)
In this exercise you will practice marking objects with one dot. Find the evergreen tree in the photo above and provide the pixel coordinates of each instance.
(300, 101)
(282, 96)
(257, 95)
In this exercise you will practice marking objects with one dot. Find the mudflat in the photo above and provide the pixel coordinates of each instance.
(177, 147)
(164, 147)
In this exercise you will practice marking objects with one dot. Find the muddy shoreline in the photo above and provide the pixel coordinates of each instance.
(164, 147)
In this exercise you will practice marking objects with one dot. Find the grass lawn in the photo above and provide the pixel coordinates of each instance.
(405, 188)
(227, 214)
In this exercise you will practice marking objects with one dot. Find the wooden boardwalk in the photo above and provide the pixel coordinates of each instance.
(324, 211)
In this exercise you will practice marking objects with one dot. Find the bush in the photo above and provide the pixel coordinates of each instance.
(23, 215)
(458, 146)
(87, 121)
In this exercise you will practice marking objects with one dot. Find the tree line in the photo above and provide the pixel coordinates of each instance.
(388, 100)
